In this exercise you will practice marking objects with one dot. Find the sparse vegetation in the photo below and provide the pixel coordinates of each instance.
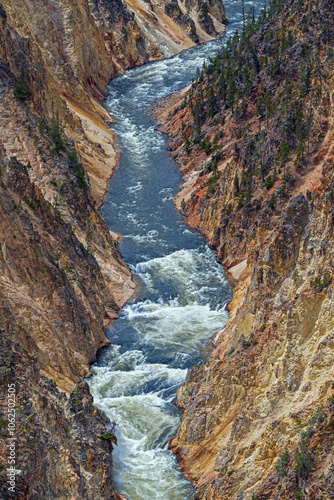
(285, 96)
(282, 466)
(303, 459)
(269, 182)
(22, 90)
(56, 183)
(56, 132)
(272, 201)
(3, 424)
(30, 202)
(319, 284)
(76, 165)
(106, 437)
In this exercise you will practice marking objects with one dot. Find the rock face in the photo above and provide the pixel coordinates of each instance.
(54, 300)
(62, 277)
(59, 450)
(258, 416)
(71, 50)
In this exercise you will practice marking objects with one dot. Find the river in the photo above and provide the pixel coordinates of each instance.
(183, 294)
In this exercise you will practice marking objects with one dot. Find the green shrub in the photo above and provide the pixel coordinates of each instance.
(76, 164)
(236, 183)
(272, 201)
(106, 437)
(284, 461)
(212, 181)
(109, 437)
(56, 184)
(303, 460)
(319, 284)
(206, 145)
(187, 145)
(3, 424)
(56, 132)
(283, 191)
(331, 399)
(30, 202)
(269, 182)
(21, 89)
(2, 11)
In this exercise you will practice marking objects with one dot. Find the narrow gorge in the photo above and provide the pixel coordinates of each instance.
(142, 362)
(182, 295)
(62, 276)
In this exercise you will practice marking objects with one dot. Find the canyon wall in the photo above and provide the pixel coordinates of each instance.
(71, 50)
(62, 276)
(55, 299)
(254, 140)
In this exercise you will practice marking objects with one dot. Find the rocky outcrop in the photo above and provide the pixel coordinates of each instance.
(198, 16)
(50, 280)
(258, 416)
(58, 449)
(62, 279)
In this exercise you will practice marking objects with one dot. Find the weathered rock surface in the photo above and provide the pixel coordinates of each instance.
(71, 50)
(59, 452)
(62, 279)
(264, 399)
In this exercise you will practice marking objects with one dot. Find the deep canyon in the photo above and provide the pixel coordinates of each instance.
(252, 135)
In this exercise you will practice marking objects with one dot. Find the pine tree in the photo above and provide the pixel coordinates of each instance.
(22, 90)
(243, 11)
(56, 131)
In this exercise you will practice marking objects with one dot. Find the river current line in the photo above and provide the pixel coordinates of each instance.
(164, 331)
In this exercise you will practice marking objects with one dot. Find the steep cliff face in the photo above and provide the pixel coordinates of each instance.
(71, 50)
(60, 266)
(254, 139)
(58, 450)
(62, 278)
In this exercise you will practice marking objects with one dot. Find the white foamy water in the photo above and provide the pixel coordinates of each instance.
(181, 305)
(156, 339)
